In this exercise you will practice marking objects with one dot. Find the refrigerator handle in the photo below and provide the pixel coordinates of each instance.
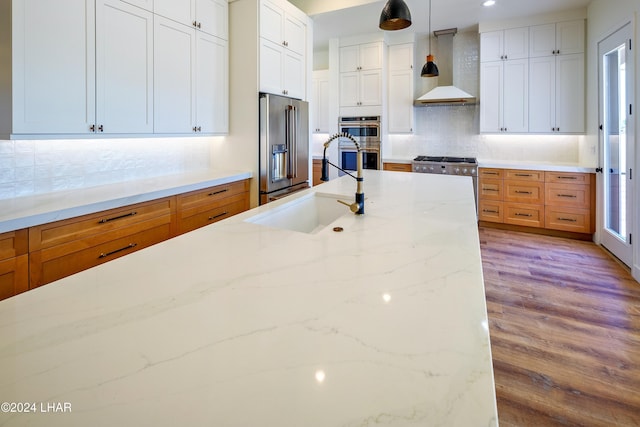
(292, 141)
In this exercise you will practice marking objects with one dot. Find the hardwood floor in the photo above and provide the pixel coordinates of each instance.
(564, 320)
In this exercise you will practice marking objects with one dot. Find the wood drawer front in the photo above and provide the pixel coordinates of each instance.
(74, 229)
(568, 219)
(199, 219)
(490, 189)
(523, 214)
(14, 243)
(489, 210)
(398, 167)
(524, 192)
(524, 175)
(211, 194)
(14, 276)
(490, 173)
(568, 177)
(577, 196)
(47, 265)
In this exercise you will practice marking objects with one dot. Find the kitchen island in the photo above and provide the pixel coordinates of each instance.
(242, 324)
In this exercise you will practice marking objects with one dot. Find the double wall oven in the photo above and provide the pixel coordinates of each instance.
(365, 130)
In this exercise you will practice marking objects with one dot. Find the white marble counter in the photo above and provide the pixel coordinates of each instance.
(238, 324)
(553, 167)
(28, 211)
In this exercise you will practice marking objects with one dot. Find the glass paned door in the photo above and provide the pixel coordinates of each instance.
(615, 109)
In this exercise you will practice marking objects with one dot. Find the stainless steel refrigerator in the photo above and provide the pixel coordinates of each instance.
(284, 146)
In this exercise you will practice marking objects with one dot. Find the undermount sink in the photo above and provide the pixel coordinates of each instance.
(306, 214)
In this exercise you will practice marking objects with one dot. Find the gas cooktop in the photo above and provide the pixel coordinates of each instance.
(445, 159)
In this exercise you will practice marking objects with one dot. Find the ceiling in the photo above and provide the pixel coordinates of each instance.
(463, 14)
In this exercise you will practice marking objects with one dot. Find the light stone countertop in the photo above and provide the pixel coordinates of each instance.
(28, 211)
(240, 324)
(552, 167)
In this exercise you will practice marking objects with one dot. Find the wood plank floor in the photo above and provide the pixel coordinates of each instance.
(564, 319)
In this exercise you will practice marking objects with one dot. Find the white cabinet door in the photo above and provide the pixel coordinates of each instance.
(401, 101)
(212, 93)
(492, 46)
(570, 37)
(543, 40)
(212, 17)
(271, 60)
(542, 97)
(183, 11)
(570, 109)
(401, 57)
(295, 32)
(271, 22)
(320, 101)
(349, 59)
(293, 77)
(516, 96)
(53, 66)
(370, 56)
(371, 87)
(174, 53)
(124, 68)
(516, 43)
(491, 93)
(349, 89)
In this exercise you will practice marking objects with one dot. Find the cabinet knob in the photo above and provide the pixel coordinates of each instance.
(92, 128)
(101, 128)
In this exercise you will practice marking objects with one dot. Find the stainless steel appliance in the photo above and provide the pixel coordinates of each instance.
(464, 166)
(284, 146)
(366, 131)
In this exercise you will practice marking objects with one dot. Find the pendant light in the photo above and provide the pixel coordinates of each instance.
(430, 69)
(395, 15)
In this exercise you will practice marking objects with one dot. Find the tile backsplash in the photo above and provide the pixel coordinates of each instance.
(30, 167)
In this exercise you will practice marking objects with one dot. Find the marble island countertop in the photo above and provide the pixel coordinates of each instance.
(28, 211)
(240, 324)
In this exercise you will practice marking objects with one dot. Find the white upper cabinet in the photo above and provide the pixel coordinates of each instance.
(400, 88)
(504, 90)
(504, 45)
(283, 41)
(362, 57)
(209, 16)
(320, 101)
(361, 75)
(124, 68)
(144, 4)
(562, 38)
(53, 68)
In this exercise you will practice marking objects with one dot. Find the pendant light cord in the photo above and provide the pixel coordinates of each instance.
(429, 33)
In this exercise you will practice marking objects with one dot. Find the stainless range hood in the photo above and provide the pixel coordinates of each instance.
(445, 93)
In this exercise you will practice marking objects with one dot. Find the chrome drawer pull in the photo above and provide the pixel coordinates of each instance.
(211, 218)
(568, 219)
(523, 192)
(129, 246)
(571, 196)
(218, 192)
(103, 221)
(523, 214)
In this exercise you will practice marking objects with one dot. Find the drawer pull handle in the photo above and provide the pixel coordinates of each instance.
(567, 177)
(129, 246)
(219, 192)
(570, 196)
(524, 174)
(489, 211)
(104, 221)
(524, 214)
(211, 218)
(568, 219)
(489, 173)
(523, 192)
(489, 189)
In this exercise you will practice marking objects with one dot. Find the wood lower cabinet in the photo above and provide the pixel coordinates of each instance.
(203, 207)
(62, 248)
(398, 167)
(561, 201)
(317, 171)
(14, 263)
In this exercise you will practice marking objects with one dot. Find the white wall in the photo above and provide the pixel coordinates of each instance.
(604, 17)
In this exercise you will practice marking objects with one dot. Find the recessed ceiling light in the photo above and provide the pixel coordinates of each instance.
(488, 3)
